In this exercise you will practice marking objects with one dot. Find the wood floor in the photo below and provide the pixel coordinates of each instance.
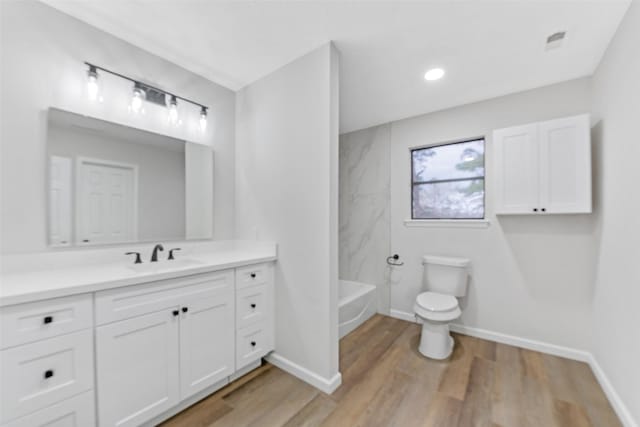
(386, 382)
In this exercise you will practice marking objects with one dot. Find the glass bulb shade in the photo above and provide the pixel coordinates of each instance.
(136, 100)
(203, 121)
(173, 113)
(92, 87)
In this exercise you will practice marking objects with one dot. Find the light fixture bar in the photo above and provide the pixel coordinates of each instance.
(144, 85)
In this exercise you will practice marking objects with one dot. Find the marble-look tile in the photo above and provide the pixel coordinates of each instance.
(366, 160)
(364, 209)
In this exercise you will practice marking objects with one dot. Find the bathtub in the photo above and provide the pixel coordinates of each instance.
(357, 302)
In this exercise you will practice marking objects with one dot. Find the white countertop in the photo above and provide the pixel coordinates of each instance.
(27, 286)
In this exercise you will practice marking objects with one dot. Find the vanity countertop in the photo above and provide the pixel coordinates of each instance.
(28, 286)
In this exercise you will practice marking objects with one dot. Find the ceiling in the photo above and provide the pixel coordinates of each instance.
(488, 48)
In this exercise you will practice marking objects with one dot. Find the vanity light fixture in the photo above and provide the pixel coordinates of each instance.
(144, 92)
(203, 119)
(92, 83)
(434, 74)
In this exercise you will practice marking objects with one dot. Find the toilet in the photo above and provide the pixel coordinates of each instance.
(445, 280)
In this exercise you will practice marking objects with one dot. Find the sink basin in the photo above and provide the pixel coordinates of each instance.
(161, 266)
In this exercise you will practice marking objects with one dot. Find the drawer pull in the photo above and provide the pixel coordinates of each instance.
(253, 343)
(253, 275)
(185, 309)
(47, 319)
(48, 374)
(176, 312)
(253, 306)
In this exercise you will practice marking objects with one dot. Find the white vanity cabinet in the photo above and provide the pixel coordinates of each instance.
(543, 168)
(152, 348)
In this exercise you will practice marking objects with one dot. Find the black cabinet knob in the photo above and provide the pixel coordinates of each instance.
(543, 210)
(185, 309)
(48, 374)
(253, 343)
(535, 209)
(253, 275)
(253, 306)
(47, 319)
(176, 312)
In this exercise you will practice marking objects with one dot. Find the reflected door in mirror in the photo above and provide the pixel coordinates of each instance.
(106, 202)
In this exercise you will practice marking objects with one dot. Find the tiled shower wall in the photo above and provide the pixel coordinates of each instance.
(364, 208)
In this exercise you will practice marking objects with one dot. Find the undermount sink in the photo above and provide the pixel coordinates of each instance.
(159, 266)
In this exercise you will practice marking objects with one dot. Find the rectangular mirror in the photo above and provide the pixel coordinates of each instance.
(113, 184)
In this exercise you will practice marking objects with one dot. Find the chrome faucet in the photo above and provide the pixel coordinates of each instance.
(154, 255)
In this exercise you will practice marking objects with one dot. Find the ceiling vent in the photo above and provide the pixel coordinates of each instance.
(555, 40)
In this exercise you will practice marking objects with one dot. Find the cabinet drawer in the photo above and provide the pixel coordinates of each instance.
(30, 322)
(39, 374)
(120, 304)
(252, 305)
(252, 343)
(78, 411)
(253, 275)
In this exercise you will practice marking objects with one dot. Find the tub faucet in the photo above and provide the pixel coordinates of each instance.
(154, 255)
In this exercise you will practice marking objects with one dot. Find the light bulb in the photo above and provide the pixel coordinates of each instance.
(434, 74)
(203, 119)
(173, 110)
(92, 83)
(136, 99)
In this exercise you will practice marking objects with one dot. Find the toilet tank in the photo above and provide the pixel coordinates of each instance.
(445, 275)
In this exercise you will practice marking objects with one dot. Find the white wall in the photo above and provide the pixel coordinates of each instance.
(286, 181)
(161, 176)
(616, 114)
(532, 277)
(41, 60)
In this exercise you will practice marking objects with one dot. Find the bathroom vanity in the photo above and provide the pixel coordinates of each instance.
(128, 345)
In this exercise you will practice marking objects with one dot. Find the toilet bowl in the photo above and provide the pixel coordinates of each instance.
(436, 311)
(444, 279)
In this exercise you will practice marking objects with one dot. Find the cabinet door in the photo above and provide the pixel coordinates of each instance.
(565, 165)
(207, 336)
(137, 368)
(516, 169)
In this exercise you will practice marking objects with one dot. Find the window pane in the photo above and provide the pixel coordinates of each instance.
(457, 199)
(452, 161)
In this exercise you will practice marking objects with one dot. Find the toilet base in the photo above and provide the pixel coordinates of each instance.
(435, 340)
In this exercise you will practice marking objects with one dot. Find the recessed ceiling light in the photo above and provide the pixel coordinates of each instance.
(434, 74)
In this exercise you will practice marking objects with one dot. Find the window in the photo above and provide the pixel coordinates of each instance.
(448, 181)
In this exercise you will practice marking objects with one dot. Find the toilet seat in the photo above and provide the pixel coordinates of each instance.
(437, 307)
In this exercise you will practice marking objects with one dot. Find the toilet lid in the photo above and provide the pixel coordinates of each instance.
(437, 302)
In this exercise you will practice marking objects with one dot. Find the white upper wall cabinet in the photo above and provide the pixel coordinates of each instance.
(544, 168)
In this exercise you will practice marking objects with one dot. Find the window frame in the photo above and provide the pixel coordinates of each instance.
(483, 177)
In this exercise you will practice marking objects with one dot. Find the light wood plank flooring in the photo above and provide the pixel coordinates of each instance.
(386, 382)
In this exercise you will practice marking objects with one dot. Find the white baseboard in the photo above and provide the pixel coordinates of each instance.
(526, 343)
(403, 315)
(569, 353)
(614, 398)
(327, 385)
